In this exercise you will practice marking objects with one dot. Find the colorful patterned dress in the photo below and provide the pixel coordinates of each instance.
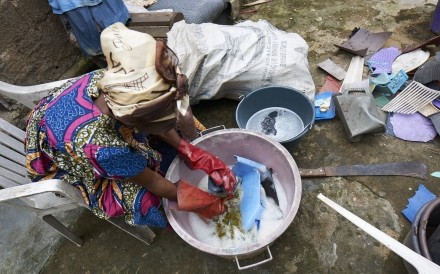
(67, 137)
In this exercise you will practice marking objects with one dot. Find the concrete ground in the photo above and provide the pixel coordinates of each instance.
(318, 240)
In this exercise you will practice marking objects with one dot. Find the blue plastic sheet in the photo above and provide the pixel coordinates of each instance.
(421, 197)
(324, 99)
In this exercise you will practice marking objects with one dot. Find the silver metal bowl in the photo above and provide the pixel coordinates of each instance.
(225, 144)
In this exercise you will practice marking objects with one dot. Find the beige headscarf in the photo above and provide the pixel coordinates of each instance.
(142, 84)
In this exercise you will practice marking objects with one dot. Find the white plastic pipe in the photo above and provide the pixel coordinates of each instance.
(423, 265)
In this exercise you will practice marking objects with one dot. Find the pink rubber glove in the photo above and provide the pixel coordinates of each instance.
(197, 158)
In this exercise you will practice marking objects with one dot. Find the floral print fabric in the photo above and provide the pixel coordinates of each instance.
(68, 138)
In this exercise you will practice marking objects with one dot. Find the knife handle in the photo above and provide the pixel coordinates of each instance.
(316, 172)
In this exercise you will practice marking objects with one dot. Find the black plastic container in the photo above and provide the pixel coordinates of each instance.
(423, 237)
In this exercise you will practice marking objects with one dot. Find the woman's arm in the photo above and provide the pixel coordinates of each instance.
(171, 137)
(156, 184)
(153, 181)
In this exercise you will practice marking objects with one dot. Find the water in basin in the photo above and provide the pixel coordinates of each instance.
(279, 123)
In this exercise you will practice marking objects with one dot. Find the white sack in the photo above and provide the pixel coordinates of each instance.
(224, 61)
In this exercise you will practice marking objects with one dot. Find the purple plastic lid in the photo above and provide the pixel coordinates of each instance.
(382, 61)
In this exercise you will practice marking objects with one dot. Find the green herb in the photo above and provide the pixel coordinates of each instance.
(231, 219)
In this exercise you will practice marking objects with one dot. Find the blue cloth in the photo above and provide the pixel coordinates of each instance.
(62, 6)
(88, 22)
(124, 162)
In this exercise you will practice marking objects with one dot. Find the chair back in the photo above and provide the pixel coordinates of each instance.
(12, 156)
(13, 170)
(29, 95)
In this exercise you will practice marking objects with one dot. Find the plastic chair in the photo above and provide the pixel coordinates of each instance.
(47, 197)
(28, 95)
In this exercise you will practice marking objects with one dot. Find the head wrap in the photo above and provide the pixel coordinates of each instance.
(142, 84)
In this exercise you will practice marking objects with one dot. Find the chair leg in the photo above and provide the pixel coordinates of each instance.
(142, 233)
(58, 226)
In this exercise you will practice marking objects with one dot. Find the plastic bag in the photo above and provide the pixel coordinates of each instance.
(224, 61)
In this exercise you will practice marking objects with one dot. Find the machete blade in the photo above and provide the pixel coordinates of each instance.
(409, 169)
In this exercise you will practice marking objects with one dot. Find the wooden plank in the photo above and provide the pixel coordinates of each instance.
(156, 32)
(156, 24)
(155, 19)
